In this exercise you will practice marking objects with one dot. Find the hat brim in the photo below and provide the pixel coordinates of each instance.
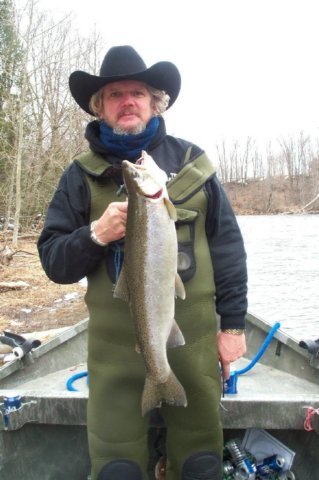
(162, 75)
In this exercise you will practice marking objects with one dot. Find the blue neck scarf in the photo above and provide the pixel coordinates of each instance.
(128, 146)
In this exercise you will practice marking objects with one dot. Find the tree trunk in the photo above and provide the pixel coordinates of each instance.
(21, 131)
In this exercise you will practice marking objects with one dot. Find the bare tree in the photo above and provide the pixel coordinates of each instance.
(59, 122)
(223, 162)
(47, 130)
(288, 154)
(244, 161)
(20, 126)
(258, 170)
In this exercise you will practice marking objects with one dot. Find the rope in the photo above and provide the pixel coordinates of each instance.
(310, 413)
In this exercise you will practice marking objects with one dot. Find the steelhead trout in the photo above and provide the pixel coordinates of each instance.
(149, 281)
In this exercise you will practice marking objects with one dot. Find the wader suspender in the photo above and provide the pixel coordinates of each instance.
(191, 177)
(188, 181)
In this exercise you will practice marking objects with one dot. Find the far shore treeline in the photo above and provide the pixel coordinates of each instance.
(41, 127)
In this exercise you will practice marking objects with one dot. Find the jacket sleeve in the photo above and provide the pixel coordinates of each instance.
(228, 257)
(66, 250)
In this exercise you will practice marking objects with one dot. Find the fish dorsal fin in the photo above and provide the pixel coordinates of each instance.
(179, 287)
(121, 290)
(170, 208)
(175, 338)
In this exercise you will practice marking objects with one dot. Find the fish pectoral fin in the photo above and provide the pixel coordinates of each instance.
(121, 290)
(179, 287)
(170, 208)
(175, 338)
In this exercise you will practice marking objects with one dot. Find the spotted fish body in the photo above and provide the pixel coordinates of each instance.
(149, 281)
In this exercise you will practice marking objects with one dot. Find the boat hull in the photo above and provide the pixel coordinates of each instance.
(46, 439)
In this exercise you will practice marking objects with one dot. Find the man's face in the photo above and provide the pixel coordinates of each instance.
(127, 106)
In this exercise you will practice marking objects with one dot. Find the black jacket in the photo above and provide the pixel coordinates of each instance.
(68, 254)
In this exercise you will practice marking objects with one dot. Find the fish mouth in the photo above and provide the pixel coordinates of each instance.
(156, 195)
(138, 173)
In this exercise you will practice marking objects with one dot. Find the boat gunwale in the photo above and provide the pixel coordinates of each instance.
(60, 338)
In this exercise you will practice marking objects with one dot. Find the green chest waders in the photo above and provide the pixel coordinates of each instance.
(116, 429)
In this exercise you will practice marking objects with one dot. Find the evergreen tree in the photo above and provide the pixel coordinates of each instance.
(10, 51)
(11, 56)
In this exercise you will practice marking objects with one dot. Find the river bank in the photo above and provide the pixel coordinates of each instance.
(273, 196)
(36, 304)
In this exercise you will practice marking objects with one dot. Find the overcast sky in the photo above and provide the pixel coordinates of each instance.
(249, 67)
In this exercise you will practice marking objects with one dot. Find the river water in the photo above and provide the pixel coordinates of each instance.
(283, 273)
(283, 269)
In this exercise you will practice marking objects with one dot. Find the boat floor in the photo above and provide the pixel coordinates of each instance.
(266, 398)
(269, 398)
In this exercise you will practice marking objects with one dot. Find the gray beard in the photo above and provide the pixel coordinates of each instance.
(129, 131)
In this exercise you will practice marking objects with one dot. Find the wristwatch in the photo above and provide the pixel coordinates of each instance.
(234, 331)
(94, 237)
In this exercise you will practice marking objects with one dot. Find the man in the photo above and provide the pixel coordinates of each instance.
(83, 237)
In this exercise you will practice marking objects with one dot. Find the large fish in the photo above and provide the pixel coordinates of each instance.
(149, 281)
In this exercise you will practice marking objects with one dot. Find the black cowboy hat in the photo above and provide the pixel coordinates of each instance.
(124, 63)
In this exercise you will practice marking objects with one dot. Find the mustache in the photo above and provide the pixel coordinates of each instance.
(127, 111)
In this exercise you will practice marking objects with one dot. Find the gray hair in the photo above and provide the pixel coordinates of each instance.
(160, 100)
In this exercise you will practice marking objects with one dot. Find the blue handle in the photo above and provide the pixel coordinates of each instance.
(69, 383)
(231, 383)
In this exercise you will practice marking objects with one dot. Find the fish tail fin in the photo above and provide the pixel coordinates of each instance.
(170, 392)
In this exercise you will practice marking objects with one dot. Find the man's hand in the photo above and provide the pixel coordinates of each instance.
(230, 348)
(112, 224)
